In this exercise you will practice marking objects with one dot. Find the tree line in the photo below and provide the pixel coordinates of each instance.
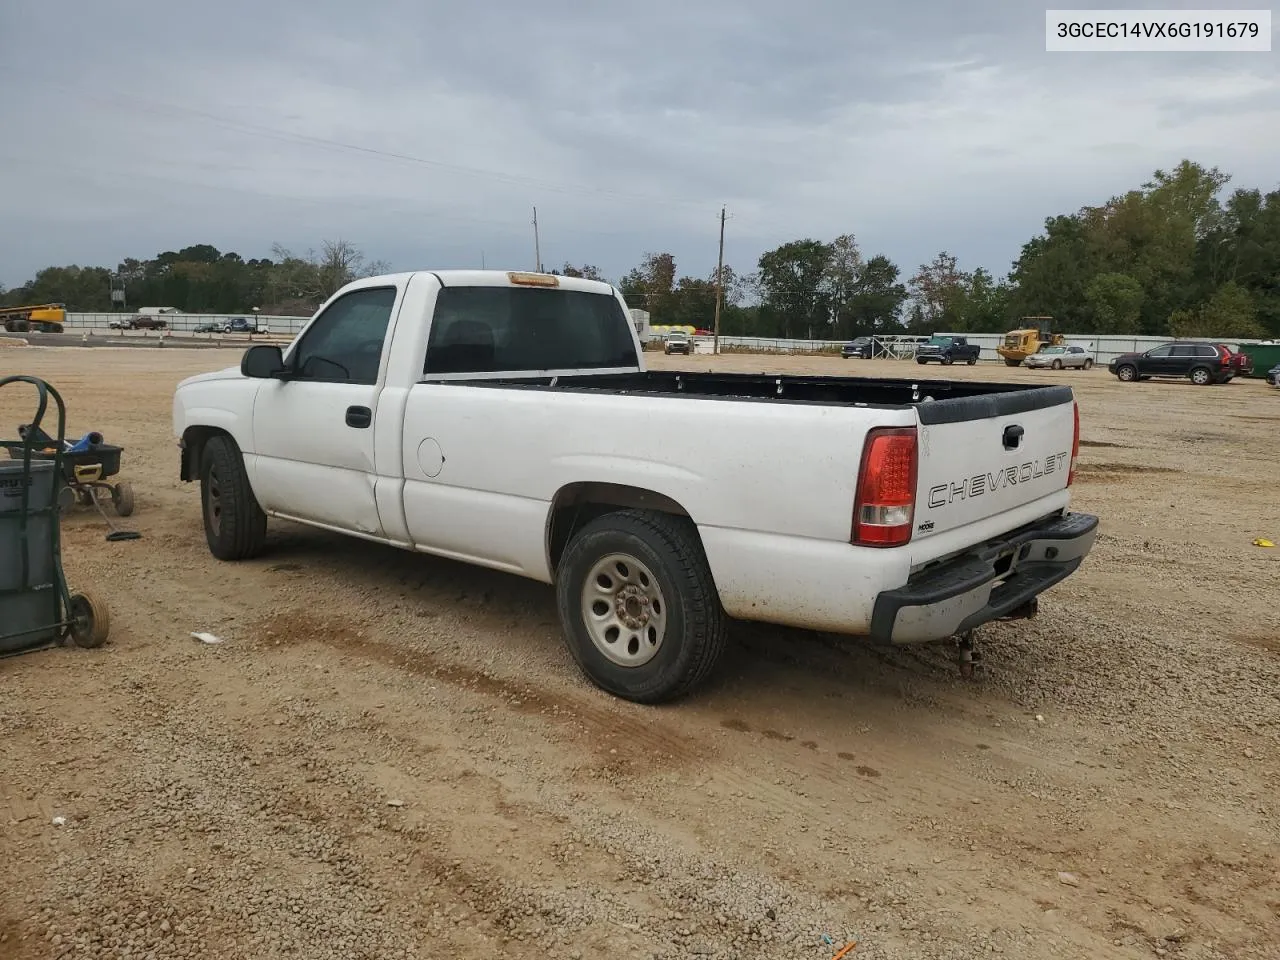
(1171, 258)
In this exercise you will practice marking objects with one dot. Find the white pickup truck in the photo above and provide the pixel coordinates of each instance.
(507, 420)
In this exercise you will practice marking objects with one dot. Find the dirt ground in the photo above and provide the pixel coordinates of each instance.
(393, 756)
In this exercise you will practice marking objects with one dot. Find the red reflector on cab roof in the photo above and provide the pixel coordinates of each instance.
(533, 279)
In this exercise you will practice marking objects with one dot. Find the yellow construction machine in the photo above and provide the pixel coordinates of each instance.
(42, 318)
(1022, 343)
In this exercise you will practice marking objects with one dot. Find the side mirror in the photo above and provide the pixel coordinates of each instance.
(262, 361)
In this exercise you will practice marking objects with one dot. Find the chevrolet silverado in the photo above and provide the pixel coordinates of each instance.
(508, 420)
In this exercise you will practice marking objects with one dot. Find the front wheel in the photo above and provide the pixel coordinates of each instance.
(639, 608)
(1201, 376)
(122, 498)
(1127, 373)
(1057, 364)
(921, 360)
(234, 525)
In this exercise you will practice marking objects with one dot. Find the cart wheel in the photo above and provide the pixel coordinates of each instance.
(66, 499)
(90, 620)
(122, 498)
(84, 496)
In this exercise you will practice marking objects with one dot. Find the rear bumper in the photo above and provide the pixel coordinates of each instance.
(988, 583)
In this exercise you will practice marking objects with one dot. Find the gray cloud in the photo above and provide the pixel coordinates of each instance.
(917, 127)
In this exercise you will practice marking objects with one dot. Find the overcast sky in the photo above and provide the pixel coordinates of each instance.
(137, 126)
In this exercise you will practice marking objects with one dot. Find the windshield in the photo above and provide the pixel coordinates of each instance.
(1054, 350)
(939, 341)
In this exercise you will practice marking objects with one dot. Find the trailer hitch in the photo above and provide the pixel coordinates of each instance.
(969, 657)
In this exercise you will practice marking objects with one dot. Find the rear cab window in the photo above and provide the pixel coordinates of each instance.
(489, 329)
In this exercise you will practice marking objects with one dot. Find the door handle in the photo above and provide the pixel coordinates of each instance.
(359, 417)
(1012, 436)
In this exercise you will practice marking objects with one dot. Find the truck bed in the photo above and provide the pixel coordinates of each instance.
(939, 401)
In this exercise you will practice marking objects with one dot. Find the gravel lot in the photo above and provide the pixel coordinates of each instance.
(393, 756)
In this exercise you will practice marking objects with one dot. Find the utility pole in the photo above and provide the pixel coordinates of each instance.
(719, 284)
(481, 259)
(537, 250)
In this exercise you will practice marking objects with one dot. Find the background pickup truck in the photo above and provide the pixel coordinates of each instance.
(507, 420)
(947, 350)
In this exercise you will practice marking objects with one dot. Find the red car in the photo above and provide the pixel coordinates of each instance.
(1240, 364)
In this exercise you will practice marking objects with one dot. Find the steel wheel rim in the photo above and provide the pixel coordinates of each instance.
(1126, 373)
(624, 610)
(213, 505)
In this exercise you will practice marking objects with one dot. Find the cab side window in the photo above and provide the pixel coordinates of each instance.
(344, 345)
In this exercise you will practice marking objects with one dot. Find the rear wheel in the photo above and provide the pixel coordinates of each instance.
(1088, 364)
(234, 525)
(1010, 362)
(1127, 373)
(639, 608)
(90, 620)
(1201, 376)
(972, 361)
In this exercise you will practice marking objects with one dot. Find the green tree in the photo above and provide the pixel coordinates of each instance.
(1115, 304)
(937, 292)
(1229, 314)
(792, 286)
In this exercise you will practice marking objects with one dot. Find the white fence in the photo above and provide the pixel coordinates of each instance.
(1102, 348)
(188, 321)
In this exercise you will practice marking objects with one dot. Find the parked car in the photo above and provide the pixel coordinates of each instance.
(146, 322)
(1241, 363)
(241, 325)
(1273, 376)
(947, 350)
(1201, 363)
(523, 418)
(1057, 358)
(859, 347)
(208, 328)
(678, 342)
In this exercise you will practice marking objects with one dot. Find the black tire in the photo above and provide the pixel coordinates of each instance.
(1127, 373)
(972, 361)
(1088, 363)
(234, 524)
(1057, 364)
(1201, 376)
(921, 360)
(696, 626)
(122, 498)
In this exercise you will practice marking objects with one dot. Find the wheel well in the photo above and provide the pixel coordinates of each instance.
(580, 503)
(193, 441)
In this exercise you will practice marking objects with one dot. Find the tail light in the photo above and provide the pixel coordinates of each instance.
(1226, 356)
(1075, 444)
(884, 509)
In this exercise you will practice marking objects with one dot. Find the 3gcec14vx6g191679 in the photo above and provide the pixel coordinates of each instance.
(508, 420)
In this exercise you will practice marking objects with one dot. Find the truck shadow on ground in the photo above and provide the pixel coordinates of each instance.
(790, 666)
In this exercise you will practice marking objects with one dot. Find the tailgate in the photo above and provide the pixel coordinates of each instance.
(985, 455)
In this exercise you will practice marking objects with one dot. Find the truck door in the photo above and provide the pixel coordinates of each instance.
(313, 437)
